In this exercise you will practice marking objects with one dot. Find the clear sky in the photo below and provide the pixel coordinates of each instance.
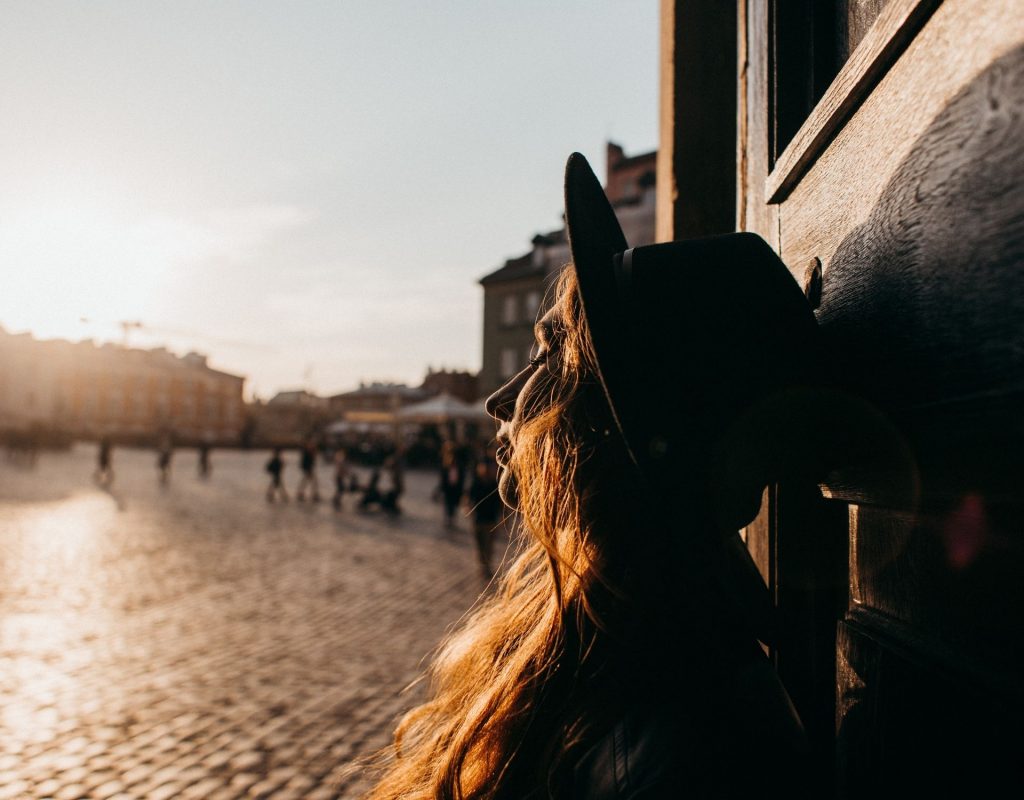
(307, 191)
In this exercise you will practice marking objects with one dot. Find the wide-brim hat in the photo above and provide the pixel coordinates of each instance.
(707, 350)
(692, 338)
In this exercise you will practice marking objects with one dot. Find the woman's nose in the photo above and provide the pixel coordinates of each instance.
(501, 405)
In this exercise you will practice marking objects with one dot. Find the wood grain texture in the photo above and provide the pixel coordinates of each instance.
(894, 27)
(953, 576)
(697, 149)
(911, 724)
(915, 207)
(753, 213)
(923, 282)
(926, 297)
(842, 186)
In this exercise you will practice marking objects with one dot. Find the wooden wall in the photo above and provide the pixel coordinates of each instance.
(900, 583)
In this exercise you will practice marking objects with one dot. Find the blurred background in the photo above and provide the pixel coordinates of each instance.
(321, 229)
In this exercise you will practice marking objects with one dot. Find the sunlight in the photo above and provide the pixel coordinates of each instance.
(77, 263)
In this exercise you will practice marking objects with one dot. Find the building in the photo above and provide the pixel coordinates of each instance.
(286, 419)
(878, 147)
(89, 390)
(462, 384)
(376, 398)
(514, 294)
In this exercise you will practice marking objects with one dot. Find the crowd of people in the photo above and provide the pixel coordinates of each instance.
(467, 483)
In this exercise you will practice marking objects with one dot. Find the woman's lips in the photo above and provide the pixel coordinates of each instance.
(503, 450)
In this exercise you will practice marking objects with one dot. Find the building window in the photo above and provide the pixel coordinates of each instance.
(508, 310)
(532, 304)
(509, 363)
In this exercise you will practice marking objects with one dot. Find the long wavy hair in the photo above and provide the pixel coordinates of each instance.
(542, 666)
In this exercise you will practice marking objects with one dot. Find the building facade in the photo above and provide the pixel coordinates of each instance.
(514, 295)
(88, 391)
(462, 384)
(376, 398)
(287, 419)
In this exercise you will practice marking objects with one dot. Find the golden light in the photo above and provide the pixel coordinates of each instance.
(70, 257)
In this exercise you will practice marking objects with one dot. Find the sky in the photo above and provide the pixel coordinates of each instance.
(306, 191)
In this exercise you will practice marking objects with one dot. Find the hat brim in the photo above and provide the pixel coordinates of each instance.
(595, 240)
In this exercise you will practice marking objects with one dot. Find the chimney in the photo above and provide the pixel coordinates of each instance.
(615, 154)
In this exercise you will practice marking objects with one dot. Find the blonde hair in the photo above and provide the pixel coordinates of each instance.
(514, 691)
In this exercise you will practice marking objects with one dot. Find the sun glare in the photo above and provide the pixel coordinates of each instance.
(74, 266)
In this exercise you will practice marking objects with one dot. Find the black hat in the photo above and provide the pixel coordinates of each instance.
(710, 358)
(695, 341)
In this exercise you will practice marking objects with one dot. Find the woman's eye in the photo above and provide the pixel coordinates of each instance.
(538, 355)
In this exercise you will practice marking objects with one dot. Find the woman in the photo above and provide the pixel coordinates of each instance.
(619, 657)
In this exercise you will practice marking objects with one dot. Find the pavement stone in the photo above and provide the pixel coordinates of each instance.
(194, 641)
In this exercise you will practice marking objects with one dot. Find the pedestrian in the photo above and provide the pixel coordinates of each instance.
(393, 486)
(275, 466)
(204, 460)
(163, 459)
(621, 656)
(371, 492)
(307, 464)
(452, 478)
(341, 473)
(104, 474)
(485, 507)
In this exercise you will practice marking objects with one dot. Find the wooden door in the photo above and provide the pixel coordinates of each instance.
(881, 146)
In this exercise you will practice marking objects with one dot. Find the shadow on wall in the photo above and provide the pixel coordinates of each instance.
(923, 308)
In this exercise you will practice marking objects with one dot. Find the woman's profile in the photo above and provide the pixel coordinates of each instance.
(620, 654)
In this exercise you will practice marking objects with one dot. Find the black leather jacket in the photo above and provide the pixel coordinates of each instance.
(752, 743)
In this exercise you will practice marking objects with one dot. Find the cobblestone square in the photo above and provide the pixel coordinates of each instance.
(194, 641)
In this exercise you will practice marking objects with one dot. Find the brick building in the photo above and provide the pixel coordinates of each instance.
(462, 384)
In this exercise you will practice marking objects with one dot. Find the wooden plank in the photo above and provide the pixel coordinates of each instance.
(923, 299)
(895, 26)
(844, 183)
(752, 212)
(911, 722)
(697, 149)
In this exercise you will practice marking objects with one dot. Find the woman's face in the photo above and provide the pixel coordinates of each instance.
(525, 394)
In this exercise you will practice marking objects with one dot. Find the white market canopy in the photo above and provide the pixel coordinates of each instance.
(443, 408)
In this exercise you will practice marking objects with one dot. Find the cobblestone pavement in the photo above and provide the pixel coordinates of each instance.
(194, 641)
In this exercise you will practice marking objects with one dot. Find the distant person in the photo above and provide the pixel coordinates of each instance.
(383, 489)
(163, 460)
(275, 466)
(485, 508)
(452, 481)
(204, 460)
(104, 474)
(341, 472)
(394, 486)
(307, 464)
(371, 492)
